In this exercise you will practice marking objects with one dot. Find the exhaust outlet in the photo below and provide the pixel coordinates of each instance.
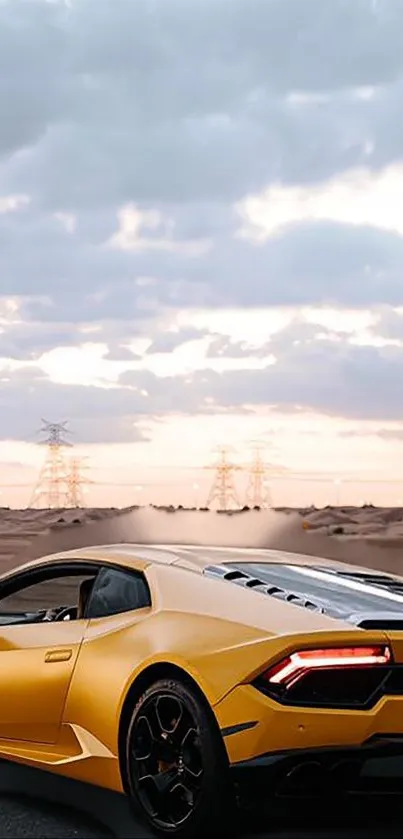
(345, 773)
(307, 778)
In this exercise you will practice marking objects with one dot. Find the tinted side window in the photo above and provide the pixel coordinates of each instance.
(47, 594)
(117, 591)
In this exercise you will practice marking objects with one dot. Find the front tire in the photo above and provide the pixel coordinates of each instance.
(176, 764)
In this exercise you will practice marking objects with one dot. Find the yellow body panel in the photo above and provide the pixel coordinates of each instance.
(63, 685)
(281, 728)
(35, 673)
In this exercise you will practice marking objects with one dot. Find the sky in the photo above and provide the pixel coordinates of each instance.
(201, 244)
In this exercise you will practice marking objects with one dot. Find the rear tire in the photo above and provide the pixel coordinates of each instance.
(176, 764)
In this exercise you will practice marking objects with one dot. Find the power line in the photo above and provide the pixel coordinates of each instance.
(223, 489)
(257, 490)
(76, 480)
(51, 487)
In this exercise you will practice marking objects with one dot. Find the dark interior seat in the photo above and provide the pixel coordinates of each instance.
(83, 597)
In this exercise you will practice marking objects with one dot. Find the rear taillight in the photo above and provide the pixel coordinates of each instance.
(328, 677)
(293, 668)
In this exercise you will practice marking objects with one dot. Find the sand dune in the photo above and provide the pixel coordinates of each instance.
(22, 532)
(367, 535)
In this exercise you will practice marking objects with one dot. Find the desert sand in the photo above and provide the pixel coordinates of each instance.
(368, 536)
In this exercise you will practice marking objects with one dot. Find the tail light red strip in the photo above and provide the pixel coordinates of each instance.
(296, 665)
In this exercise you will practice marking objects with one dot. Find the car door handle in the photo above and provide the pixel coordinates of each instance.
(58, 655)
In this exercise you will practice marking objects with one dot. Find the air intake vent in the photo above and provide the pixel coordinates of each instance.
(248, 581)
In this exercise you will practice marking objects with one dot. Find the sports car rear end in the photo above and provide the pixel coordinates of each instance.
(325, 712)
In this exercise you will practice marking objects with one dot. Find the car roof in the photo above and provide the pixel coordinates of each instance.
(192, 557)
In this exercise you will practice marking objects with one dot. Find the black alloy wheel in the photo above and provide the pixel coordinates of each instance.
(176, 764)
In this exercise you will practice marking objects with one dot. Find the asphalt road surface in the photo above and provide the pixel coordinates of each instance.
(34, 805)
(21, 819)
(24, 818)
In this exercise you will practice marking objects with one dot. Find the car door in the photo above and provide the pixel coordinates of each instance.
(119, 603)
(37, 662)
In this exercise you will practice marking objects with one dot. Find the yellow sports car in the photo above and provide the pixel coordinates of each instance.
(192, 678)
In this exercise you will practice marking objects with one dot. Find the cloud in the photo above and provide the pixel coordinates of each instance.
(125, 91)
(315, 372)
(224, 346)
(150, 231)
(124, 156)
(63, 276)
(389, 324)
(28, 341)
(357, 197)
(383, 433)
(138, 138)
(328, 377)
(167, 342)
(319, 261)
(390, 433)
(11, 203)
(96, 414)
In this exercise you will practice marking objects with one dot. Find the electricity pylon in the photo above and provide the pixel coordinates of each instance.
(257, 491)
(76, 480)
(51, 487)
(223, 489)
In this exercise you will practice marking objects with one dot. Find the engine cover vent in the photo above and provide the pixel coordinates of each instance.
(248, 581)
